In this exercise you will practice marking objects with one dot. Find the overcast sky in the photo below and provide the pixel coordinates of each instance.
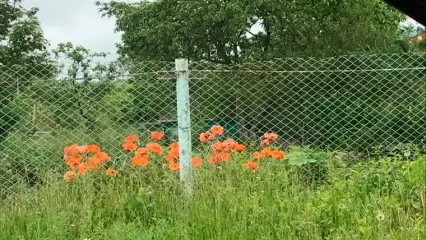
(77, 21)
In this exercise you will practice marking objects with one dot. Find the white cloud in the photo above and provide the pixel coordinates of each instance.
(76, 21)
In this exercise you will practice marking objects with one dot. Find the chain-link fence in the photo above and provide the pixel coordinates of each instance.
(357, 103)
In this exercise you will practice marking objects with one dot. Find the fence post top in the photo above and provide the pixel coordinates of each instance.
(181, 64)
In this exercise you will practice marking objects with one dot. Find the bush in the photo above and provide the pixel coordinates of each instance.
(8, 119)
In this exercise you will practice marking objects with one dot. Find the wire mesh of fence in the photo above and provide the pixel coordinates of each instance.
(365, 104)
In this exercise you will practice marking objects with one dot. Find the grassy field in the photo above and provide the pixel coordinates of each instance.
(308, 195)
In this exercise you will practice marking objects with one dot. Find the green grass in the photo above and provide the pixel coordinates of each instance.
(370, 200)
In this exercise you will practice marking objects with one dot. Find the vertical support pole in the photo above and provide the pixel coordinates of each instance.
(184, 124)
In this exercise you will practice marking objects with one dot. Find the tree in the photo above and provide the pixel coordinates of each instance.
(22, 36)
(222, 31)
(23, 57)
(86, 82)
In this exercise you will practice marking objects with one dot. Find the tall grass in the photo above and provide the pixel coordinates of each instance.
(22, 154)
(373, 200)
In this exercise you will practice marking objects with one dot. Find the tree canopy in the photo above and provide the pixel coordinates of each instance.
(23, 56)
(22, 38)
(231, 31)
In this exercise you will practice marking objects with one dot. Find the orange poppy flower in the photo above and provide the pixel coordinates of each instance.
(156, 135)
(74, 161)
(70, 175)
(174, 166)
(206, 136)
(230, 143)
(93, 148)
(271, 136)
(251, 165)
(217, 130)
(95, 161)
(196, 162)
(111, 172)
(82, 168)
(212, 159)
(265, 142)
(129, 146)
(102, 156)
(210, 137)
(71, 150)
(170, 158)
(174, 145)
(141, 151)
(219, 146)
(131, 138)
(278, 155)
(203, 137)
(90, 166)
(221, 157)
(154, 147)
(82, 149)
(257, 155)
(224, 156)
(239, 147)
(267, 152)
(140, 161)
(172, 155)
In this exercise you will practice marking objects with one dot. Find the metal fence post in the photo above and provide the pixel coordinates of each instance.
(184, 124)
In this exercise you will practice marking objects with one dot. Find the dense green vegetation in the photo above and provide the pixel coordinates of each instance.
(217, 30)
(325, 75)
(370, 200)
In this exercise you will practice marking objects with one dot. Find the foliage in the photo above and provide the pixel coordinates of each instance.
(373, 200)
(87, 81)
(23, 38)
(23, 57)
(312, 104)
(222, 31)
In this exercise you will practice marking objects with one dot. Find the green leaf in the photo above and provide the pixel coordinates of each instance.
(299, 158)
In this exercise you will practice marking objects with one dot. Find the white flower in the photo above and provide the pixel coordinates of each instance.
(380, 217)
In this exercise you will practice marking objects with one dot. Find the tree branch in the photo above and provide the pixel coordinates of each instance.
(254, 35)
(214, 60)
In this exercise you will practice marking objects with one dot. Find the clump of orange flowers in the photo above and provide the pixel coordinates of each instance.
(215, 130)
(221, 150)
(267, 139)
(141, 157)
(172, 158)
(173, 153)
(83, 158)
(129, 144)
(90, 157)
